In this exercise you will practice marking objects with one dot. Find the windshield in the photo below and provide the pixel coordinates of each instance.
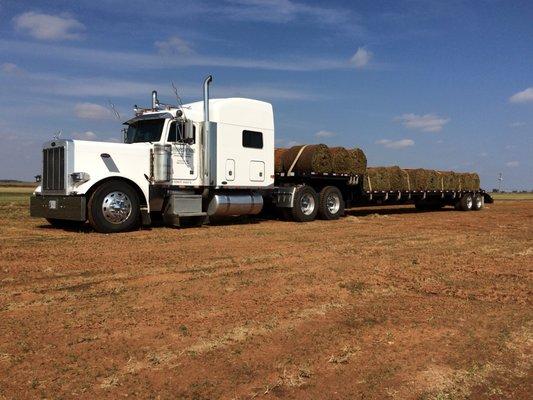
(145, 131)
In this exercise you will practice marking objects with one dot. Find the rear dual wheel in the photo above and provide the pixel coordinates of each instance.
(479, 202)
(307, 204)
(331, 204)
(469, 202)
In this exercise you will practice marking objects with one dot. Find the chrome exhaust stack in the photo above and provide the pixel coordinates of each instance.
(208, 174)
(207, 81)
(155, 101)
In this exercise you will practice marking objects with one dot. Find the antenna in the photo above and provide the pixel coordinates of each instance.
(57, 135)
(500, 179)
(114, 110)
(178, 98)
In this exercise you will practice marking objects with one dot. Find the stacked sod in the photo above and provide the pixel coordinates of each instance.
(358, 161)
(343, 162)
(318, 158)
(398, 179)
(278, 163)
(308, 158)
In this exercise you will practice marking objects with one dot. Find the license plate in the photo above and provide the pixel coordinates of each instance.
(52, 204)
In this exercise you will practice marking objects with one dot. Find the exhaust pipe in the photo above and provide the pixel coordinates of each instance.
(207, 81)
(208, 181)
(155, 101)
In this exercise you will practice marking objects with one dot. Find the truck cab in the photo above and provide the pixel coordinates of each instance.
(186, 163)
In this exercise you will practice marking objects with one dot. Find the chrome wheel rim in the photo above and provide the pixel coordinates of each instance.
(469, 202)
(479, 202)
(333, 203)
(307, 204)
(116, 207)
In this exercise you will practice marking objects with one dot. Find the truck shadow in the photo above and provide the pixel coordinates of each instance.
(363, 212)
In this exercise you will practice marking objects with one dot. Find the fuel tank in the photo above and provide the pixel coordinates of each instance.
(233, 204)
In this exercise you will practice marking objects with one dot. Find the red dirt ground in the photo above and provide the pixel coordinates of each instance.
(382, 304)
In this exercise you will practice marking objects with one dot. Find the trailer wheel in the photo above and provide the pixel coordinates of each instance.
(114, 207)
(331, 204)
(305, 206)
(478, 202)
(466, 203)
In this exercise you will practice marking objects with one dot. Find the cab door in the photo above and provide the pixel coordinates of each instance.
(185, 157)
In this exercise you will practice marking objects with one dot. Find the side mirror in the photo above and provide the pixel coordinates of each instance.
(188, 135)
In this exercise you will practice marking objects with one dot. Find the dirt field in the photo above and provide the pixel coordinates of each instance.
(383, 304)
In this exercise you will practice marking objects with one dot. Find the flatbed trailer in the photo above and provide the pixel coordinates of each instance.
(330, 194)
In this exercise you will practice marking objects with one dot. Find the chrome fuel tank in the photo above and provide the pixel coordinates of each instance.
(232, 204)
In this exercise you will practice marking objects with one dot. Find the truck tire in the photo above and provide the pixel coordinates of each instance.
(305, 206)
(466, 203)
(65, 223)
(330, 203)
(114, 207)
(478, 202)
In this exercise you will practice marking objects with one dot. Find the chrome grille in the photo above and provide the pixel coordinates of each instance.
(54, 168)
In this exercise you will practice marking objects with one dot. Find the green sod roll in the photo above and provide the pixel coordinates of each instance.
(359, 161)
(313, 158)
(376, 179)
(342, 160)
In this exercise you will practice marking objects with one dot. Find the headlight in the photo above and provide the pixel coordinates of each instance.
(79, 177)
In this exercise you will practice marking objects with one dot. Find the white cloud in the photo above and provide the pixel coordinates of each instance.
(396, 144)
(139, 91)
(10, 68)
(424, 123)
(523, 96)
(91, 111)
(173, 45)
(88, 135)
(361, 58)
(49, 27)
(324, 134)
(282, 11)
(517, 124)
(145, 61)
(512, 164)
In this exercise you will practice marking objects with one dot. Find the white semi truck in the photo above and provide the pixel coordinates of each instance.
(187, 164)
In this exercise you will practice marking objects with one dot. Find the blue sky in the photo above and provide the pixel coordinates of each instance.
(436, 84)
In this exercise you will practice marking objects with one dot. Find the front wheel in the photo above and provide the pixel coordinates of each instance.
(114, 207)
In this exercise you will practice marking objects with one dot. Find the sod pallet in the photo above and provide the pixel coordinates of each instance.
(398, 179)
(278, 164)
(309, 158)
(376, 179)
(343, 162)
(359, 161)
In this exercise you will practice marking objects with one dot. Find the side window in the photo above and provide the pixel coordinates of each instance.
(252, 139)
(176, 133)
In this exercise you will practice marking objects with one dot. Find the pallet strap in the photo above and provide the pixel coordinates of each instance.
(408, 181)
(296, 159)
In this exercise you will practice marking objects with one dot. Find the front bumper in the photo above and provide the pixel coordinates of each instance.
(72, 208)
